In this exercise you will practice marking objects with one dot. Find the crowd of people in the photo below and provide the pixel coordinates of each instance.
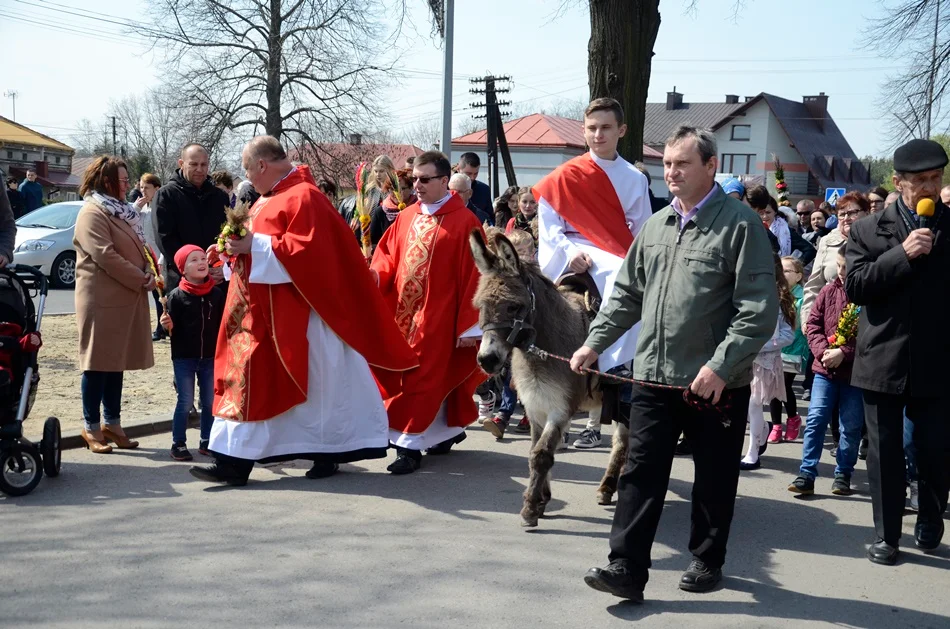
(710, 307)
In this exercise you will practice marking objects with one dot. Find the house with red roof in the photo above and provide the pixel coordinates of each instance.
(538, 144)
(337, 161)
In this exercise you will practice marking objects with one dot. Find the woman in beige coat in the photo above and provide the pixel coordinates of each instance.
(113, 281)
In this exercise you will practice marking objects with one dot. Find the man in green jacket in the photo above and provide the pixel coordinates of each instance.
(701, 278)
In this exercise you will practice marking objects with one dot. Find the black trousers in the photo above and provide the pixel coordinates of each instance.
(656, 418)
(884, 418)
(791, 404)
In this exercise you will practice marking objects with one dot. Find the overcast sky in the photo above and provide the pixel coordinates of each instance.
(789, 48)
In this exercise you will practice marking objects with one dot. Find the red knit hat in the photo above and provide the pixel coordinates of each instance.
(182, 255)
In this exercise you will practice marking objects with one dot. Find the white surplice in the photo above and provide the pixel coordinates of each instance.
(559, 241)
(343, 412)
(439, 430)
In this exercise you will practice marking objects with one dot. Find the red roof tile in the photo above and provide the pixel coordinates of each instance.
(542, 131)
(338, 161)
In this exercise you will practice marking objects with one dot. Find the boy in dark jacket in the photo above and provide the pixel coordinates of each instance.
(834, 357)
(192, 317)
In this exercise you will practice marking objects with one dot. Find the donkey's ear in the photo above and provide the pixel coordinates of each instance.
(507, 256)
(485, 260)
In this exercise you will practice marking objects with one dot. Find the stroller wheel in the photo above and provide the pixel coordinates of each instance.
(50, 447)
(20, 469)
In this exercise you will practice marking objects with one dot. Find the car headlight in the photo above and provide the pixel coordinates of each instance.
(34, 245)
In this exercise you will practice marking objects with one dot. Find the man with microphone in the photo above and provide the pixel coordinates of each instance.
(897, 272)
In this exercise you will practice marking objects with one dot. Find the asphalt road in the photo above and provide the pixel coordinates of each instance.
(58, 301)
(131, 540)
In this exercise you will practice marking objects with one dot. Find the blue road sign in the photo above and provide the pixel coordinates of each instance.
(833, 194)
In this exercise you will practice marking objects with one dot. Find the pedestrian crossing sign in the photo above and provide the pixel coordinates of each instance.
(833, 194)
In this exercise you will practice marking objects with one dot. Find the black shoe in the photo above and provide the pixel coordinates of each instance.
(745, 467)
(699, 577)
(405, 464)
(446, 446)
(616, 580)
(806, 394)
(841, 486)
(834, 452)
(883, 553)
(180, 453)
(927, 535)
(159, 336)
(323, 470)
(863, 450)
(683, 448)
(203, 447)
(220, 473)
(802, 485)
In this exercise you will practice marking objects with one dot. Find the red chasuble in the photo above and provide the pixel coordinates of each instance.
(580, 191)
(262, 355)
(428, 278)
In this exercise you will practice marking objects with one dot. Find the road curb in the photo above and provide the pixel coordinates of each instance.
(146, 428)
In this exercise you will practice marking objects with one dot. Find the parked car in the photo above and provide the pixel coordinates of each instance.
(44, 240)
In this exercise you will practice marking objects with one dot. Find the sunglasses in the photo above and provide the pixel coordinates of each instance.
(803, 213)
(425, 179)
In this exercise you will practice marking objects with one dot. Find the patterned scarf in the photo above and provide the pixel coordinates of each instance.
(119, 209)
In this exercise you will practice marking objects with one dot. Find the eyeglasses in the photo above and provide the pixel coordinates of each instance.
(426, 179)
(803, 213)
(126, 180)
(852, 215)
(877, 201)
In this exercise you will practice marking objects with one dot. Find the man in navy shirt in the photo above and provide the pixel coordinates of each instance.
(32, 191)
(481, 193)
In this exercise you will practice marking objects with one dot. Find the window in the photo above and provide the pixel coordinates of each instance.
(25, 157)
(737, 164)
(9, 154)
(741, 132)
(57, 159)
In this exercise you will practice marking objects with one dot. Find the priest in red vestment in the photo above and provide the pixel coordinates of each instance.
(304, 329)
(427, 276)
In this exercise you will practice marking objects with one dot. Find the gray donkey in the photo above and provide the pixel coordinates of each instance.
(518, 307)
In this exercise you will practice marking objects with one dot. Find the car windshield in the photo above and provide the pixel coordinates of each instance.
(55, 216)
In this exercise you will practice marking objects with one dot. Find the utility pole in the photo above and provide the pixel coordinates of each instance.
(933, 73)
(495, 129)
(114, 139)
(448, 41)
(12, 94)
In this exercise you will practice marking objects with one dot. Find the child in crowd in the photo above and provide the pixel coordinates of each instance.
(793, 357)
(767, 374)
(192, 317)
(831, 330)
(496, 425)
(526, 218)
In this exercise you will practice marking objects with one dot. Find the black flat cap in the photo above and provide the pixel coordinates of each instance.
(919, 156)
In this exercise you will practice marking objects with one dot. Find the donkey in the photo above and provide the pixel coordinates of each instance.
(518, 307)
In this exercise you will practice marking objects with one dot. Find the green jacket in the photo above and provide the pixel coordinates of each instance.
(706, 295)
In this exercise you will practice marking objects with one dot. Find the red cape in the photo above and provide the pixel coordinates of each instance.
(261, 362)
(428, 277)
(581, 193)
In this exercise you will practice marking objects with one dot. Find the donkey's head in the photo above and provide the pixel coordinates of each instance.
(505, 301)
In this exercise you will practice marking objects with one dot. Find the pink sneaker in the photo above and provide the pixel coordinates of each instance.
(793, 427)
(776, 435)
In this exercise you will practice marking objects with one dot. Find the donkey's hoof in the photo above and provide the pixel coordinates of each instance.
(529, 523)
(529, 517)
(605, 498)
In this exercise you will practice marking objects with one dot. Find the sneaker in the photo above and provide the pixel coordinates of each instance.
(564, 442)
(841, 486)
(523, 427)
(203, 447)
(834, 452)
(486, 406)
(806, 394)
(802, 485)
(776, 435)
(863, 450)
(496, 425)
(793, 427)
(588, 439)
(180, 453)
(914, 496)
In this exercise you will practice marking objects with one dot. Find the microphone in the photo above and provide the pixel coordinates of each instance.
(925, 211)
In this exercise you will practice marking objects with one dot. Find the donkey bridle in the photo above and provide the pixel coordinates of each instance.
(522, 322)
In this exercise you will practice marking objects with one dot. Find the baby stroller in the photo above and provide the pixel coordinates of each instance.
(22, 462)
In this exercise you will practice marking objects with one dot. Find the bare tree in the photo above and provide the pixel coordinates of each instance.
(91, 139)
(424, 133)
(299, 70)
(918, 33)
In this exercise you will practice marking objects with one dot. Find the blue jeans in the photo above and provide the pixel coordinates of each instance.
(186, 369)
(508, 397)
(101, 388)
(910, 452)
(825, 394)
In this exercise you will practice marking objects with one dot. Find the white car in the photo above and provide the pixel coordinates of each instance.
(44, 240)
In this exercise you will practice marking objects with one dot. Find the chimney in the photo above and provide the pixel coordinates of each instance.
(356, 139)
(732, 99)
(674, 100)
(41, 168)
(817, 107)
(748, 98)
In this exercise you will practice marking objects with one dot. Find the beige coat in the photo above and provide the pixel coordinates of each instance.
(112, 305)
(824, 271)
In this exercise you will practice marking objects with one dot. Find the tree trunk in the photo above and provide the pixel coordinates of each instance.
(620, 53)
(273, 122)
